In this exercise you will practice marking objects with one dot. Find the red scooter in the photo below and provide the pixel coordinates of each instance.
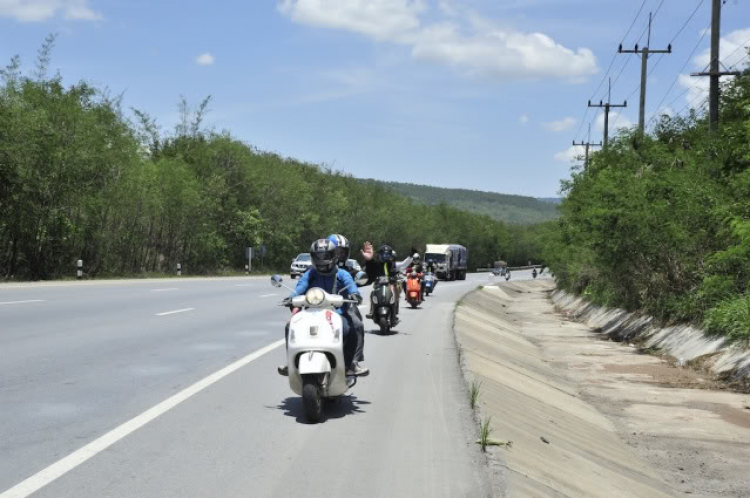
(414, 289)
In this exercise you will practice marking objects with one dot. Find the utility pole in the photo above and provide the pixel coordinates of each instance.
(587, 144)
(644, 53)
(606, 108)
(714, 73)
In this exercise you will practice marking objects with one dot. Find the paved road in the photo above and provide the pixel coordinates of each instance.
(87, 371)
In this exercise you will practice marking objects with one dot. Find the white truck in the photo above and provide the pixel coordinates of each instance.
(450, 261)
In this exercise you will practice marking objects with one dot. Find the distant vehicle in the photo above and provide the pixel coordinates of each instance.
(500, 268)
(429, 283)
(300, 265)
(449, 260)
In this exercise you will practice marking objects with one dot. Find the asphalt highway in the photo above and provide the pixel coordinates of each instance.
(169, 389)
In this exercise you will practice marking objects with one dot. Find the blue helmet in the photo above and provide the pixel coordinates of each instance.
(342, 247)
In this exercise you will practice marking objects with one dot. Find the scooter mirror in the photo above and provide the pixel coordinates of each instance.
(361, 278)
(276, 280)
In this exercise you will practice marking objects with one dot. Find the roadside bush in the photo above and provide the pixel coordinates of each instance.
(661, 223)
(730, 318)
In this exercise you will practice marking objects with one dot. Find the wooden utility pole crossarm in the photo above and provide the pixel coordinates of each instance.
(607, 106)
(644, 52)
(586, 145)
(714, 73)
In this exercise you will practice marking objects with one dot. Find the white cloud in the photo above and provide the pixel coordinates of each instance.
(468, 43)
(501, 54)
(562, 125)
(616, 121)
(697, 89)
(41, 10)
(205, 59)
(447, 8)
(570, 155)
(731, 52)
(379, 19)
(523, 119)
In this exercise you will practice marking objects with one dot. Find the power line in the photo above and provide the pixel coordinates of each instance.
(740, 61)
(614, 56)
(679, 73)
(688, 20)
(647, 28)
(741, 46)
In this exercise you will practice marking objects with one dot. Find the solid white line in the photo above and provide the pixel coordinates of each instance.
(175, 311)
(269, 295)
(70, 462)
(22, 302)
(165, 290)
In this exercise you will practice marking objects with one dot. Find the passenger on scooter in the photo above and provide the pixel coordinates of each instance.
(326, 275)
(342, 251)
(384, 265)
(416, 266)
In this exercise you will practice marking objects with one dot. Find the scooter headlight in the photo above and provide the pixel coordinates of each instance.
(315, 297)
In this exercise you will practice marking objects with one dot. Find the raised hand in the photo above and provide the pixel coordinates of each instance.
(367, 251)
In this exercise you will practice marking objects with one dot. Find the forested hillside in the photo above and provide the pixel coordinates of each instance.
(515, 209)
(79, 178)
(662, 223)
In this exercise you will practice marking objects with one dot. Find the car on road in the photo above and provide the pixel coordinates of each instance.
(300, 265)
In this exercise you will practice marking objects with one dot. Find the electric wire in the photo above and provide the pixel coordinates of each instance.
(679, 73)
(604, 78)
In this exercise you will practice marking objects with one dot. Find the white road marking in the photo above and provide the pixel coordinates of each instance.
(165, 290)
(70, 462)
(269, 295)
(245, 285)
(6, 303)
(172, 313)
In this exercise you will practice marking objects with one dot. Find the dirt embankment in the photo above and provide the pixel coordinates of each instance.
(591, 417)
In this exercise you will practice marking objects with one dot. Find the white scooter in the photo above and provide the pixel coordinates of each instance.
(315, 355)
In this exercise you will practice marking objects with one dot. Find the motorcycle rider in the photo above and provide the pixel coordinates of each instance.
(343, 249)
(416, 265)
(384, 265)
(326, 274)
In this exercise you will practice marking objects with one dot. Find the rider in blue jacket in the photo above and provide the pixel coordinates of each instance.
(326, 275)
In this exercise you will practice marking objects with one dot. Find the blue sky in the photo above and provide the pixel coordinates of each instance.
(479, 94)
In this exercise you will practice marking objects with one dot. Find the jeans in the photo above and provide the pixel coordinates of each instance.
(350, 334)
(359, 328)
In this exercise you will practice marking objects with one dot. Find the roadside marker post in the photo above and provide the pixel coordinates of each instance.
(179, 269)
(249, 255)
(79, 269)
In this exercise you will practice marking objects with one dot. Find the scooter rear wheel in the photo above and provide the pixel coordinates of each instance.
(312, 402)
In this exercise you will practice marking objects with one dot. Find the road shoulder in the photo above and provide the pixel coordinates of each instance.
(560, 445)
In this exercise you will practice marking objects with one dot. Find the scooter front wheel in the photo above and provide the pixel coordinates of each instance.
(385, 327)
(312, 402)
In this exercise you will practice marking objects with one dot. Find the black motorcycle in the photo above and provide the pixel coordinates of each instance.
(384, 305)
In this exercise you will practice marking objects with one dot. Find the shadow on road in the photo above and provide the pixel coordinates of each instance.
(393, 332)
(336, 408)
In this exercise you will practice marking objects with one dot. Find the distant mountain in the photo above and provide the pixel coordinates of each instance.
(551, 200)
(515, 209)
